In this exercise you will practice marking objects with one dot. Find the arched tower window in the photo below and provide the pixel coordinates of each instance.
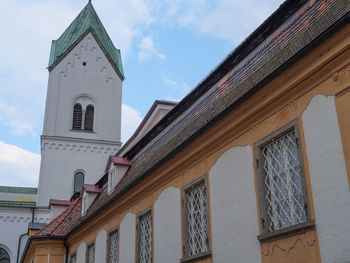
(78, 181)
(77, 117)
(4, 256)
(89, 118)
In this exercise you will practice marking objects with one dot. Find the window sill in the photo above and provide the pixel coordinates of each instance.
(289, 231)
(85, 131)
(196, 257)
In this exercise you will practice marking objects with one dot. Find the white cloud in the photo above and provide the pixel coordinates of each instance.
(124, 20)
(148, 50)
(130, 121)
(16, 120)
(226, 19)
(18, 167)
(179, 90)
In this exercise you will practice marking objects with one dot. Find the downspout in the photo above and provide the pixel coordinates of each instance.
(21, 236)
(67, 250)
(19, 245)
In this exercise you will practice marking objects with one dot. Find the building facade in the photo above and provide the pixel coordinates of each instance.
(81, 130)
(252, 166)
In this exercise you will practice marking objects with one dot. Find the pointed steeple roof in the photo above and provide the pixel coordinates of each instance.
(86, 21)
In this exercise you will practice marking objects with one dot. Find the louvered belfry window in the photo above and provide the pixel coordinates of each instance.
(145, 238)
(113, 247)
(195, 213)
(77, 117)
(281, 180)
(89, 118)
(90, 254)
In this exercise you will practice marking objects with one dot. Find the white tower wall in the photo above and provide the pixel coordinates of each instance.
(83, 76)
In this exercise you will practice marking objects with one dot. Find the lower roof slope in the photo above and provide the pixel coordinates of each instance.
(61, 225)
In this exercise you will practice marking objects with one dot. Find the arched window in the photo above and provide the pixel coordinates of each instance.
(89, 118)
(77, 116)
(78, 181)
(4, 256)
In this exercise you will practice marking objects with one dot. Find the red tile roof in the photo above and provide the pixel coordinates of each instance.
(63, 223)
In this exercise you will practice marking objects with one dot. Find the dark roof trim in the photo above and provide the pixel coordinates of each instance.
(326, 34)
(59, 202)
(117, 160)
(21, 190)
(270, 25)
(36, 226)
(145, 119)
(91, 188)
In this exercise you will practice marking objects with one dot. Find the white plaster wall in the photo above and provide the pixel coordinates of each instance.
(101, 246)
(234, 208)
(127, 239)
(97, 81)
(60, 158)
(167, 226)
(13, 223)
(81, 253)
(56, 210)
(329, 182)
(120, 171)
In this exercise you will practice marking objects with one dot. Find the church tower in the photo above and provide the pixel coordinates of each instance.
(83, 108)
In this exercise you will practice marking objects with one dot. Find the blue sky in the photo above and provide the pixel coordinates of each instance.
(167, 46)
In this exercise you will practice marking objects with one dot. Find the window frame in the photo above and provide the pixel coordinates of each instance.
(71, 256)
(92, 243)
(184, 213)
(112, 179)
(262, 189)
(138, 233)
(89, 122)
(74, 179)
(109, 233)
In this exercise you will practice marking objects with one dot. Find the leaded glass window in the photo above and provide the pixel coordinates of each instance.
(195, 212)
(145, 238)
(90, 258)
(113, 247)
(4, 256)
(281, 182)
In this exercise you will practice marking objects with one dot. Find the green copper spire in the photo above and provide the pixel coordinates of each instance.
(87, 20)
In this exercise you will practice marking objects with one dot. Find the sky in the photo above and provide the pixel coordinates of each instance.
(167, 46)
